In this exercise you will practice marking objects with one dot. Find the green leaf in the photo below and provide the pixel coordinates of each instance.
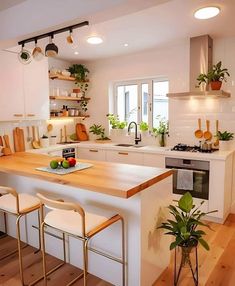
(204, 243)
(186, 202)
(176, 243)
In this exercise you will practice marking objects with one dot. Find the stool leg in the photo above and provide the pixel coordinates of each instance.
(123, 254)
(5, 222)
(43, 253)
(85, 261)
(19, 249)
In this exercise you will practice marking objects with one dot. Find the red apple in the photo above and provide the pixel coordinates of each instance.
(72, 162)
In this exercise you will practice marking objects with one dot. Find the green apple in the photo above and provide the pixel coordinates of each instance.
(54, 164)
(65, 164)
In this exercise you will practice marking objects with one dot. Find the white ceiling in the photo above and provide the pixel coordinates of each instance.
(5, 4)
(143, 26)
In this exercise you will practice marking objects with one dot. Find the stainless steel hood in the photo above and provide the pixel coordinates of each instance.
(201, 51)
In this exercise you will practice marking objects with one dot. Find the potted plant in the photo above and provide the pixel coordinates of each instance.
(224, 140)
(99, 131)
(144, 128)
(214, 77)
(162, 130)
(117, 125)
(183, 226)
(80, 73)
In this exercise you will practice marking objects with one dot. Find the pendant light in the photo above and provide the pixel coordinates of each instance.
(37, 52)
(24, 56)
(70, 37)
(51, 49)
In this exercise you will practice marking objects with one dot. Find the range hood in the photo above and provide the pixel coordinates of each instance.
(201, 50)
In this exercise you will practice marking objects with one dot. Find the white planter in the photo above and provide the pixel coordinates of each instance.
(224, 145)
(44, 142)
(144, 133)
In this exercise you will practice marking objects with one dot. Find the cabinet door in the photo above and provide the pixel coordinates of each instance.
(36, 90)
(91, 154)
(154, 160)
(11, 87)
(124, 157)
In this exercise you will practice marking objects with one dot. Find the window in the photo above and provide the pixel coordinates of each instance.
(141, 100)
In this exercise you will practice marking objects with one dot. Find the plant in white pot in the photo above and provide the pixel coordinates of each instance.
(99, 131)
(144, 128)
(117, 126)
(224, 140)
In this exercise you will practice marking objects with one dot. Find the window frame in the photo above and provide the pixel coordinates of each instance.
(139, 82)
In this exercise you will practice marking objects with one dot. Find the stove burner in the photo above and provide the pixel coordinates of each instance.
(187, 148)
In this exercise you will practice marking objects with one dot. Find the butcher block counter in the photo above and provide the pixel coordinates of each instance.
(139, 193)
(118, 180)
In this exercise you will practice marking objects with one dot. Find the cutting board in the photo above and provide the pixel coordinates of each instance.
(18, 136)
(81, 132)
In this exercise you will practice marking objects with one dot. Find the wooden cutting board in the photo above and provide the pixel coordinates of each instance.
(81, 132)
(18, 136)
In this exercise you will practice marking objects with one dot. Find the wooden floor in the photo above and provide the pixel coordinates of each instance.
(216, 267)
(9, 270)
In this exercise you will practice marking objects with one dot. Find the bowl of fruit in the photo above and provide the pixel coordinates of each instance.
(63, 163)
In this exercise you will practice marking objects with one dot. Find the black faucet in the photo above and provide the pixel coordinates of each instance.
(137, 139)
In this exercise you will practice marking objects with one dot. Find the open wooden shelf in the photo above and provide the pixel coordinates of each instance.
(68, 98)
(68, 117)
(61, 77)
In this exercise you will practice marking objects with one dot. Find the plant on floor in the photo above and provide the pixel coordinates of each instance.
(144, 126)
(115, 122)
(187, 218)
(80, 73)
(98, 130)
(225, 136)
(216, 74)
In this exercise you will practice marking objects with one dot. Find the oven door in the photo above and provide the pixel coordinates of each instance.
(190, 176)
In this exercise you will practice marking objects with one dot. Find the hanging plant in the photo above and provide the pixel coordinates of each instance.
(80, 72)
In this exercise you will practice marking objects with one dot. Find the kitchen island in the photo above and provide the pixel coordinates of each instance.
(139, 193)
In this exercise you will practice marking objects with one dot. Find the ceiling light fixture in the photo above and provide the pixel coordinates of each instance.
(94, 40)
(206, 12)
(76, 53)
(126, 45)
(70, 37)
(51, 49)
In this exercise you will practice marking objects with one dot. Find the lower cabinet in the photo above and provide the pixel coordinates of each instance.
(91, 154)
(124, 157)
(154, 160)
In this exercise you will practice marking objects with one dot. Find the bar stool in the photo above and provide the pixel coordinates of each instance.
(18, 205)
(71, 219)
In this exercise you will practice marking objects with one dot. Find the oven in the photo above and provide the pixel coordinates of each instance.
(68, 153)
(190, 176)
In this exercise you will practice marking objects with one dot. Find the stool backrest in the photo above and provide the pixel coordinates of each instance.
(6, 190)
(58, 204)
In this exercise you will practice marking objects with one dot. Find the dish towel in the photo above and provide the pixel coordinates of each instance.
(185, 180)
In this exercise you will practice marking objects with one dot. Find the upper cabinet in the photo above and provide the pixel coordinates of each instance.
(24, 92)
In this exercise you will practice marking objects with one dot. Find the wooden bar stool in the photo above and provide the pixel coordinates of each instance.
(71, 219)
(18, 205)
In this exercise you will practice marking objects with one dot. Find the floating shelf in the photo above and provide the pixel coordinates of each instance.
(61, 77)
(69, 98)
(68, 117)
(200, 94)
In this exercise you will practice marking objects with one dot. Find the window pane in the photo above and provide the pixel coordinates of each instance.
(160, 101)
(144, 98)
(127, 102)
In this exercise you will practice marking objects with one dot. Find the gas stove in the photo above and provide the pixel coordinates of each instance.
(188, 148)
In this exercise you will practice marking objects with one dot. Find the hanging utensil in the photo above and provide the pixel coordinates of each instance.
(35, 142)
(216, 134)
(7, 149)
(16, 139)
(207, 134)
(1, 142)
(199, 133)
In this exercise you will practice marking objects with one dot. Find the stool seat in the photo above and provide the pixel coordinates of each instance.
(26, 202)
(71, 221)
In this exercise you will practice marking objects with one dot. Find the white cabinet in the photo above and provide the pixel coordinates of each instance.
(154, 160)
(91, 154)
(24, 89)
(11, 87)
(36, 90)
(125, 157)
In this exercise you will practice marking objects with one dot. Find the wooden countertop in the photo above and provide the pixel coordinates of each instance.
(120, 180)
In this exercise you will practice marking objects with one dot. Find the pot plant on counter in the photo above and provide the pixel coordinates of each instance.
(117, 126)
(186, 218)
(144, 128)
(224, 140)
(161, 131)
(214, 77)
(99, 131)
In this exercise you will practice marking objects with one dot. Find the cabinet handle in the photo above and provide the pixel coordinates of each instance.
(18, 115)
(122, 153)
(30, 115)
(93, 150)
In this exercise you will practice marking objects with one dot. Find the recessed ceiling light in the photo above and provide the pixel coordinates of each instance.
(207, 12)
(94, 40)
(126, 45)
(76, 53)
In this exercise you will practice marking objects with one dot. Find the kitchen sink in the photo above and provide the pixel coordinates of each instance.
(129, 145)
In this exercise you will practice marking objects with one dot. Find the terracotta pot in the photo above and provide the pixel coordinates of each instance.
(216, 85)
